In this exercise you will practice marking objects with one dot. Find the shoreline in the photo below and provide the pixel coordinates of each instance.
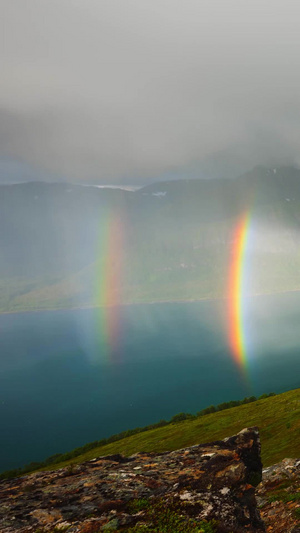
(151, 302)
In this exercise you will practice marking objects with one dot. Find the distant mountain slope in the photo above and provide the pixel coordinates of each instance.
(167, 241)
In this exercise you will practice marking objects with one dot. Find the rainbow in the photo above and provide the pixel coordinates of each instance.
(236, 313)
(109, 283)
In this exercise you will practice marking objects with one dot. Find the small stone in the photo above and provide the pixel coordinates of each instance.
(186, 496)
(225, 490)
(111, 526)
(62, 525)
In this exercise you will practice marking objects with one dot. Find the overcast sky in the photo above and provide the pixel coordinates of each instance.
(125, 91)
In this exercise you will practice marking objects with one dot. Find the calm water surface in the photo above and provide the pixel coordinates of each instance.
(62, 386)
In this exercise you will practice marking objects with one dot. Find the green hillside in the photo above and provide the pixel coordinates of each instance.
(277, 417)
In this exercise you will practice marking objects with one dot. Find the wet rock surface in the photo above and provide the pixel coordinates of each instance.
(204, 482)
(278, 497)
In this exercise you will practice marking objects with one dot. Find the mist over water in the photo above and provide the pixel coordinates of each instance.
(273, 338)
(62, 387)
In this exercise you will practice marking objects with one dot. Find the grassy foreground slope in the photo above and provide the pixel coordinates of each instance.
(278, 419)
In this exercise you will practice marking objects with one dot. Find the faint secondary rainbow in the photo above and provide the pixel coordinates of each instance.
(109, 282)
(237, 280)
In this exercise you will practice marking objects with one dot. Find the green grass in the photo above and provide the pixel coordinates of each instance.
(170, 519)
(277, 417)
(285, 497)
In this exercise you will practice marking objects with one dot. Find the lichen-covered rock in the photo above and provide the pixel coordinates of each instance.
(278, 496)
(204, 482)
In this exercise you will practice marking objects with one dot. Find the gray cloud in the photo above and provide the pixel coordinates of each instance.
(125, 90)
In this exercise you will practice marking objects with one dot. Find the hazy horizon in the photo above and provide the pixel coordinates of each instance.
(127, 186)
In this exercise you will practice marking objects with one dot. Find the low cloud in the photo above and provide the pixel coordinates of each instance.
(115, 91)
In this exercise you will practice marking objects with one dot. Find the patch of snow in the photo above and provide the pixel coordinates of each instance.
(274, 170)
(288, 199)
(160, 194)
(36, 197)
(130, 188)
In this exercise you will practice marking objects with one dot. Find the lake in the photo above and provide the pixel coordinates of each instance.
(65, 381)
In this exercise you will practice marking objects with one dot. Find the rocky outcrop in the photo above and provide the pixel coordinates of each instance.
(202, 483)
(278, 497)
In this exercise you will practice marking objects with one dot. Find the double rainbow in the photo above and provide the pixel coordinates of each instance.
(237, 340)
(109, 283)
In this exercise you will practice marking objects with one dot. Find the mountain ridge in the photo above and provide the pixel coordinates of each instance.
(174, 239)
